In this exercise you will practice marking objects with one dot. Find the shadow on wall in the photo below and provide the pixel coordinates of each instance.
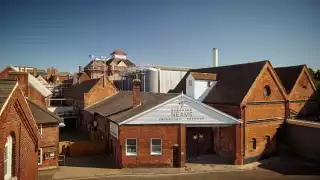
(285, 162)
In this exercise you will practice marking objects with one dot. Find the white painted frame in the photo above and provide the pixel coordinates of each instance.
(155, 153)
(8, 162)
(130, 153)
(40, 130)
(41, 156)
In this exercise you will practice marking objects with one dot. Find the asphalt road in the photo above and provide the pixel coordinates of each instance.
(242, 175)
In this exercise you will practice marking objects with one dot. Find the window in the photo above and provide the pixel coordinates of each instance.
(8, 158)
(49, 155)
(253, 144)
(131, 147)
(190, 82)
(208, 84)
(156, 146)
(267, 91)
(40, 156)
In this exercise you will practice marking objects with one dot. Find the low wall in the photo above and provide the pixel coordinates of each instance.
(302, 138)
(82, 148)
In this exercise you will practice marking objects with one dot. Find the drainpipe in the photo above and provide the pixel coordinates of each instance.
(243, 133)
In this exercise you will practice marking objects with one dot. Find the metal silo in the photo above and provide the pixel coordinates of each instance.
(151, 80)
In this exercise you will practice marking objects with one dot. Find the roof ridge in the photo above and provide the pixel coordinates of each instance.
(231, 65)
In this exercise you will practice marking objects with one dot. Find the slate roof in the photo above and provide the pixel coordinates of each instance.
(42, 115)
(234, 81)
(77, 91)
(204, 76)
(6, 87)
(170, 68)
(63, 73)
(119, 107)
(289, 75)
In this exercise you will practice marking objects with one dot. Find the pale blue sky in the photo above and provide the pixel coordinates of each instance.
(62, 33)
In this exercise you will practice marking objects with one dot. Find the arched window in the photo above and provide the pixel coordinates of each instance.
(267, 91)
(253, 144)
(8, 158)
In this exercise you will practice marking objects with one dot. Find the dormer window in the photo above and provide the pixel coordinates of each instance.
(190, 82)
(208, 84)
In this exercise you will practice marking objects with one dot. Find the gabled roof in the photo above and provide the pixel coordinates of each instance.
(234, 81)
(119, 107)
(117, 61)
(204, 76)
(96, 63)
(77, 91)
(289, 75)
(6, 88)
(42, 115)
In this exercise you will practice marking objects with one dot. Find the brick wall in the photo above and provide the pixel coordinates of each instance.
(224, 141)
(303, 139)
(36, 97)
(49, 142)
(169, 134)
(303, 90)
(25, 137)
(261, 122)
(104, 88)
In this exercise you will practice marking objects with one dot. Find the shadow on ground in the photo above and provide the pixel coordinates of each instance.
(208, 159)
(290, 165)
(93, 161)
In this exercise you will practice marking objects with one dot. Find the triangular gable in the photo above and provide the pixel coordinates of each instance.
(182, 110)
(303, 72)
(273, 76)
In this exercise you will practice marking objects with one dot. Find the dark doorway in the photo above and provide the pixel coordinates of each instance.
(176, 162)
(200, 141)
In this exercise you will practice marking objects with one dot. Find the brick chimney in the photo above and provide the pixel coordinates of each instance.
(35, 72)
(22, 78)
(80, 69)
(136, 92)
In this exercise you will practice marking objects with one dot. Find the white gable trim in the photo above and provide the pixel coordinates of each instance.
(8, 99)
(236, 121)
(151, 109)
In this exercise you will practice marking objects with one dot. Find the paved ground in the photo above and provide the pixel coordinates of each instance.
(273, 168)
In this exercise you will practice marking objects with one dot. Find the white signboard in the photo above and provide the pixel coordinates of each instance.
(178, 114)
(114, 130)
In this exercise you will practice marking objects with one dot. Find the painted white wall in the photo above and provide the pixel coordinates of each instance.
(184, 110)
(190, 88)
(169, 79)
(206, 92)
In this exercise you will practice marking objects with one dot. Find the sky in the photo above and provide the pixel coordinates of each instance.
(63, 33)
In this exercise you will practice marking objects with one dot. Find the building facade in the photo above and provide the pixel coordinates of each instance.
(48, 125)
(253, 93)
(19, 134)
(157, 129)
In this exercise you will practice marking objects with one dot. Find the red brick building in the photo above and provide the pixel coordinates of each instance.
(48, 125)
(253, 93)
(19, 134)
(300, 89)
(87, 93)
(154, 129)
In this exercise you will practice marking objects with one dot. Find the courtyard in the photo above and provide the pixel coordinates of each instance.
(94, 167)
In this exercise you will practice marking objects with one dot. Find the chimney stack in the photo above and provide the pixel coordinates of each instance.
(80, 69)
(35, 72)
(25, 69)
(136, 91)
(215, 57)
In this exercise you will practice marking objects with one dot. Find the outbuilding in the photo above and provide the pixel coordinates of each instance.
(157, 129)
